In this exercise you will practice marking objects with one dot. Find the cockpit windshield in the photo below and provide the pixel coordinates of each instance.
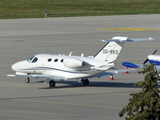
(30, 59)
(35, 60)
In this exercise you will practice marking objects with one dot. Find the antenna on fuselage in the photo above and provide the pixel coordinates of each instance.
(70, 54)
(82, 55)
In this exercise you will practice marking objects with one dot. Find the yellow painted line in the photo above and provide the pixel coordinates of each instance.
(73, 104)
(128, 29)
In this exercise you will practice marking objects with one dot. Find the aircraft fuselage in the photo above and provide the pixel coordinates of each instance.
(61, 65)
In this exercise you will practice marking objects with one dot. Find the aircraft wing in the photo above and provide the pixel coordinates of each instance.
(111, 72)
(38, 76)
(132, 65)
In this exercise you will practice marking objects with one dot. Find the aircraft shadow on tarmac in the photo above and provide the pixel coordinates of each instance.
(75, 84)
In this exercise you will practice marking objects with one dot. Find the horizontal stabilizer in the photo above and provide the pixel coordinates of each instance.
(121, 39)
(134, 40)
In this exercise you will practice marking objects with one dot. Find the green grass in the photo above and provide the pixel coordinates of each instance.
(65, 8)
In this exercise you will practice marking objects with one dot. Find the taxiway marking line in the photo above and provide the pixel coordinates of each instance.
(128, 29)
(60, 103)
(70, 43)
(84, 92)
(11, 86)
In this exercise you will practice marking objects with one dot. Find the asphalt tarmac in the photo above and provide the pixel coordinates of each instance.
(103, 99)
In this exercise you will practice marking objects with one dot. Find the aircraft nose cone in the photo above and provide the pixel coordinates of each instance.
(14, 67)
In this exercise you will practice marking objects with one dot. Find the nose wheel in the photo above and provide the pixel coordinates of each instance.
(27, 79)
(52, 83)
(85, 82)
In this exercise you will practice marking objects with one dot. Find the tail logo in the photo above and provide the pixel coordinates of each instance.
(106, 51)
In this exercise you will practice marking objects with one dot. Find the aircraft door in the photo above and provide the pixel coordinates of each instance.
(48, 62)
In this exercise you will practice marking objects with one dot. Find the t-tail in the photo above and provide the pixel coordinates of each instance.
(113, 48)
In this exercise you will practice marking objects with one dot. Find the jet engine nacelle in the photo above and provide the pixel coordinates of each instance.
(73, 62)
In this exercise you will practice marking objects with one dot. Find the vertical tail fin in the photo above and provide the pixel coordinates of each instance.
(112, 49)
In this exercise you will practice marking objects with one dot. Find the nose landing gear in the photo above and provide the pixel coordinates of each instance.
(27, 79)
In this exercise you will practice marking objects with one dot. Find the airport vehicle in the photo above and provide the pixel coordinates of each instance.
(64, 67)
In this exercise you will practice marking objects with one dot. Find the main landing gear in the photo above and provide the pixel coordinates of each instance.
(85, 82)
(52, 83)
(27, 79)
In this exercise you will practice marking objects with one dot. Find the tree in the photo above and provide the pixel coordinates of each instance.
(144, 105)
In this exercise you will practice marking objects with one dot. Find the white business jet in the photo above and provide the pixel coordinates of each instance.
(64, 67)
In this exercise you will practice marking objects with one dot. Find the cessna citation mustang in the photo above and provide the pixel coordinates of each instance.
(64, 67)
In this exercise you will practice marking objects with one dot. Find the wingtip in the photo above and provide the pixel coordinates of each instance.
(103, 40)
(10, 75)
(151, 38)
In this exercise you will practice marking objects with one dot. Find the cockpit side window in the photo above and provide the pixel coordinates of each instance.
(35, 60)
(30, 59)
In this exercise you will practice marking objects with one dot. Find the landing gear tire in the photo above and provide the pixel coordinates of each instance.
(52, 83)
(85, 82)
(27, 79)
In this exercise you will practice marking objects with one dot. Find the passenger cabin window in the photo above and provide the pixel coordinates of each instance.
(49, 60)
(55, 60)
(30, 59)
(35, 60)
(62, 60)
